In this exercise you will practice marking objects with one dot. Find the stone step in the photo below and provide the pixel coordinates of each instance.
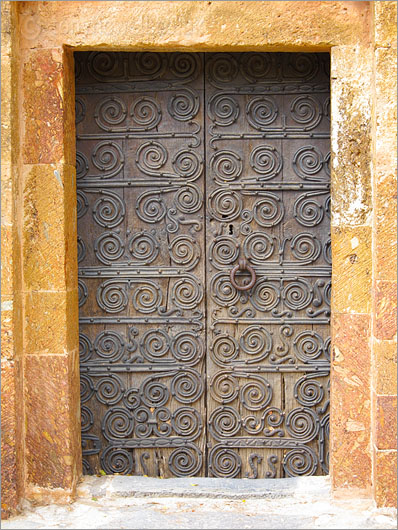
(199, 487)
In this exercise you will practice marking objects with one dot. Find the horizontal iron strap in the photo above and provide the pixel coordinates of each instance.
(249, 188)
(98, 371)
(139, 320)
(127, 271)
(178, 442)
(143, 86)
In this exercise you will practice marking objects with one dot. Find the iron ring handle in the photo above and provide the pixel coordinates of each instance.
(243, 266)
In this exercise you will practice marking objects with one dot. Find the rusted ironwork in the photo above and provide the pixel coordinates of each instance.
(243, 265)
(204, 262)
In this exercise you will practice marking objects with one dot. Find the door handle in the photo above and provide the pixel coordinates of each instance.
(243, 265)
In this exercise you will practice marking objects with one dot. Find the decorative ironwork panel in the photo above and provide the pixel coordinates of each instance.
(159, 137)
(268, 263)
(140, 167)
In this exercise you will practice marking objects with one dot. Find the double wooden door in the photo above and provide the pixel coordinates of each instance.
(204, 263)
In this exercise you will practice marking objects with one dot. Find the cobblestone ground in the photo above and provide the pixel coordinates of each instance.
(191, 504)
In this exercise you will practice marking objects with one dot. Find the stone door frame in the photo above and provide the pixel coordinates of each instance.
(43, 156)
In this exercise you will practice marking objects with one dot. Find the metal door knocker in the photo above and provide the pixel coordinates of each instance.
(243, 265)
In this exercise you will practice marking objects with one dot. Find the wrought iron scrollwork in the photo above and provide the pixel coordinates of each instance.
(187, 166)
(140, 166)
(268, 203)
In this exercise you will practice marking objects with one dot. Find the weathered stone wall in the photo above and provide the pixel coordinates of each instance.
(12, 402)
(197, 25)
(351, 102)
(384, 254)
(41, 444)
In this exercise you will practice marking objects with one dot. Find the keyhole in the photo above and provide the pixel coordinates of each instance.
(231, 230)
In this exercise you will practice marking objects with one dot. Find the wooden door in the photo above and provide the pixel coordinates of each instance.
(140, 166)
(188, 164)
(267, 212)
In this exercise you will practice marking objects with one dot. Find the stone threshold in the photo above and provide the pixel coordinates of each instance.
(200, 487)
